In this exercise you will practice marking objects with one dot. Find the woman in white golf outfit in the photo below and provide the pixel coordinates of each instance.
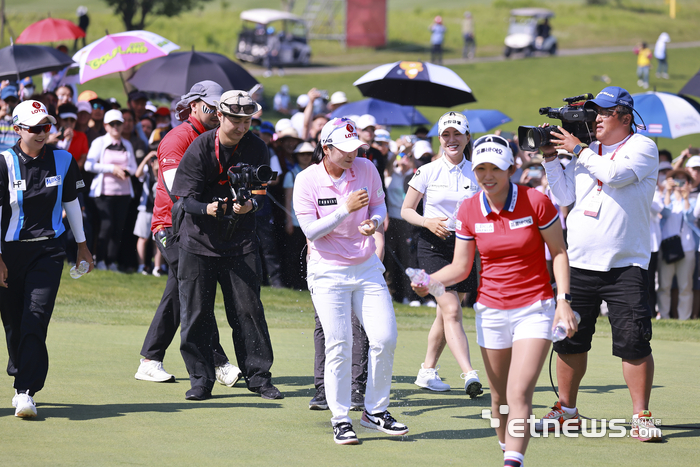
(339, 203)
(442, 185)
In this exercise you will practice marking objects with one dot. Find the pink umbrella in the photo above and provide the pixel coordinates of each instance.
(119, 52)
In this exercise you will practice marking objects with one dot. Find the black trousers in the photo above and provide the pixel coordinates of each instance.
(295, 260)
(34, 274)
(113, 211)
(265, 226)
(399, 255)
(360, 355)
(167, 318)
(239, 277)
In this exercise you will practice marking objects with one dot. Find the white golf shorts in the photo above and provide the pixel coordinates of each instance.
(498, 329)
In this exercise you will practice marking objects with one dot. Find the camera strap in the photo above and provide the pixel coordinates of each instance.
(218, 159)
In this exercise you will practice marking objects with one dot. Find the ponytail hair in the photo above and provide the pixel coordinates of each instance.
(318, 154)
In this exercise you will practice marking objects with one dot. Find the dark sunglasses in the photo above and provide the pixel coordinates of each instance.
(115, 123)
(36, 129)
(248, 109)
(98, 106)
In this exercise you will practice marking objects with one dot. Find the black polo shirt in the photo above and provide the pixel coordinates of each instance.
(200, 177)
(32, 191)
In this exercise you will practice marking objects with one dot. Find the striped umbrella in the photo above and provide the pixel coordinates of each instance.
(666, 115)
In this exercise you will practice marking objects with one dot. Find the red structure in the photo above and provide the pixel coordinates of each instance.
(365, 23)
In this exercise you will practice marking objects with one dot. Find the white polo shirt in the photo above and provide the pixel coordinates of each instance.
(443, 186)
(618, 236)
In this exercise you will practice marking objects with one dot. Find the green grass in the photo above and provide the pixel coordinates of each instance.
(93, 412)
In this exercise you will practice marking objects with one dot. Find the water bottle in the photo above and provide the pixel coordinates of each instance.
(79, 270)
(419, 276)
(559, 333)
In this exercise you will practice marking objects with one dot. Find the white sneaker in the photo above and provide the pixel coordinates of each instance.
(472, 385)
(414, 303)
(228, 374)
(24, 405)
(152, 370)
(431, 304)
(101, 266)
(428, 378)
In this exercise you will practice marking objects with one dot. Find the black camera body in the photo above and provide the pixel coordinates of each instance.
(245, 181)
(574, 118)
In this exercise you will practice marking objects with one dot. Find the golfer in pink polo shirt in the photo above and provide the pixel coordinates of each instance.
(339, 202)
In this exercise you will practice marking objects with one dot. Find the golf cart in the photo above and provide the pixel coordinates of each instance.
(528, 32)
(264, 28)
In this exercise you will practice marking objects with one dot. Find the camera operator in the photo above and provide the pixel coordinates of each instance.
(214, 249)
(612, 184)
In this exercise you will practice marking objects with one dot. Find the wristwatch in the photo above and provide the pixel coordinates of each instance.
(564, 296)
(577, 149)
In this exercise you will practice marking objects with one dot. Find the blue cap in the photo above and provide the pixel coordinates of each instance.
(613, 96)
(267, 127)
(9, 91)
(27, 81)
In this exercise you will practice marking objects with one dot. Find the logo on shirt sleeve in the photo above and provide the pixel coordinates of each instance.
(53, 181)
(484, 228)
(327, 201)
(79, 184)
(458, 225)
(520, 223)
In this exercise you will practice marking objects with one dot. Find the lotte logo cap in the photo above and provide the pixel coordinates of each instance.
(341, 133)
(31, 113)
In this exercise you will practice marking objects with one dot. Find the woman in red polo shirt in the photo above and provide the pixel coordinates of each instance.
(515, 309)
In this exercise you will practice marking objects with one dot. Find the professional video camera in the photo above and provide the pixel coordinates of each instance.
(574, 119)
(245, 181)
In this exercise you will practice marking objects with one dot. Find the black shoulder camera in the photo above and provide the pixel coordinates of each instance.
(574, 119)
(244, 181)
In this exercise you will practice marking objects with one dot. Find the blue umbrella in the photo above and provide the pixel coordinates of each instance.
(386, 113)
(666, 115)
(480, 121)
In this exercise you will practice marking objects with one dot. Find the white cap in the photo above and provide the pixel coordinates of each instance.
(282, 124)
(84, 106)
(365, 121)
(665, 165)
(421, 147)
(492, 149)
(338, 97)
(303, 101)
(30, 113)
(454, 120)
(694, 161)
(113, 115)
(151, 107)
(382, 136)
(304, 147)
(341, 133)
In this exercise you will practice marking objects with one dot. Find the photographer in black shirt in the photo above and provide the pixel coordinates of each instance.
(218, 244)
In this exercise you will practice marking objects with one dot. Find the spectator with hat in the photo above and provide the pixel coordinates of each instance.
(297, 117)
(10, 99)
(677, 220)
(162, 116)
(112, 158)
(97, 114)
(26, 88)
(657, 206)
(198, 112)
(211, 253)
(137, 103)
(33, 255)
(313, 119)
(437, 37)
(84, 115)
(71, 140)
(366, 125)
(338, 99)
(280, 102)
(612, 183)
